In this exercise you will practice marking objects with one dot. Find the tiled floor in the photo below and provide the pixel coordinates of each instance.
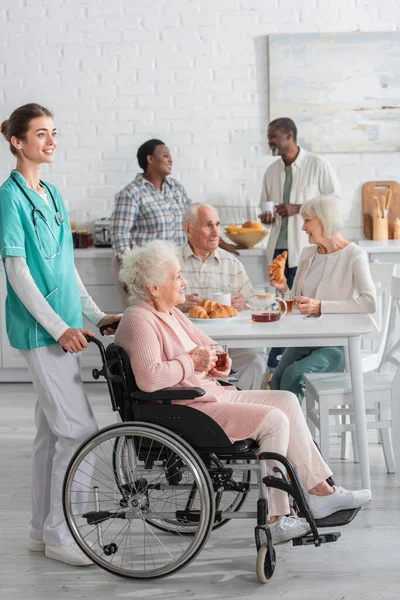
(363, 564)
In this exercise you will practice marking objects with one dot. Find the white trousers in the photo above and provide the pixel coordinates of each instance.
(63, 419)
(251, 365)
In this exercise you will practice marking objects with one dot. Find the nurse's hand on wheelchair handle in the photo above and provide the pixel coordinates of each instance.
(203, 357)
(74, 340)
(108, 324)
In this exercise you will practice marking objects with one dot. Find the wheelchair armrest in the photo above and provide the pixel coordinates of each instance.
(168, 394)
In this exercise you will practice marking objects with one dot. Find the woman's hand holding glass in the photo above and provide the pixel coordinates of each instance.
(223, 365)
(280, 287)
(308, 306)
(222, 371)
(204, 358)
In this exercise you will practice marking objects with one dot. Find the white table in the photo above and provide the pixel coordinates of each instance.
(295, 330)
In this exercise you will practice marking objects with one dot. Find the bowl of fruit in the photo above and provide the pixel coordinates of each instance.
(248, 235)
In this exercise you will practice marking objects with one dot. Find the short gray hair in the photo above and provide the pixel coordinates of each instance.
(146, 265)
(328, 211)
(190, 214)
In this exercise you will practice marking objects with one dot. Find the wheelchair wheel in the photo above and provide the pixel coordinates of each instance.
(227, 501)
(266, 562)
(113, 525)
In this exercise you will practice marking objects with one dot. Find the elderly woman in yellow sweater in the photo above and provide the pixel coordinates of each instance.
(167, 349)
(332, 277)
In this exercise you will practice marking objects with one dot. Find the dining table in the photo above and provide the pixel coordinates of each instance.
(296, 330)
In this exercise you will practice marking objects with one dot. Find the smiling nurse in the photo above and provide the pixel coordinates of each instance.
(44, 307)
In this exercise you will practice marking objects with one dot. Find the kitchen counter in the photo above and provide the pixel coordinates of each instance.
(94, 264)
(94, 252)
(388, 251)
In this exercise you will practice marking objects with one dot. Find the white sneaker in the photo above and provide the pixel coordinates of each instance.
(288, 528)
(341, 499)
(36, 545)
(69, 554)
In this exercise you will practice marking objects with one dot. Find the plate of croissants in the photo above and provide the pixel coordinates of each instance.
(208, 309)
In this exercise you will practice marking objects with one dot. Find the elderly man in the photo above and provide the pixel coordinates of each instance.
(210, 269)
(298, 176)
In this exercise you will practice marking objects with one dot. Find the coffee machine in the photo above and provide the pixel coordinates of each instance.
(102, 237)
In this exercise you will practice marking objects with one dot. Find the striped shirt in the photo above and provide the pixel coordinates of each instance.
(220, 272)
(143, 213)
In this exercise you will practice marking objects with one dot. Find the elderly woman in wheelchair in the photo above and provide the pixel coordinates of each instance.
(184, 468)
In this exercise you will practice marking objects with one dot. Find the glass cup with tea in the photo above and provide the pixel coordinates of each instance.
(290, 300)
(221, 351)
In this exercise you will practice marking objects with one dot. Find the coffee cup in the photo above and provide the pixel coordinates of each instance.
(222, 298)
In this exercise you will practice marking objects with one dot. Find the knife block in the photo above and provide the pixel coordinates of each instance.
(380, 229)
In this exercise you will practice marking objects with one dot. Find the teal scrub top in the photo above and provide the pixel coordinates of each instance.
(55, 277)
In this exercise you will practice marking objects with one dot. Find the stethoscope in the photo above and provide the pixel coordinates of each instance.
(58, 216)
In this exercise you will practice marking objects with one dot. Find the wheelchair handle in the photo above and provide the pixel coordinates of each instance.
(103, 328)
(88, 338)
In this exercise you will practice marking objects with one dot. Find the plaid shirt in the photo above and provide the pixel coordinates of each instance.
(220, 272)
(143, 213)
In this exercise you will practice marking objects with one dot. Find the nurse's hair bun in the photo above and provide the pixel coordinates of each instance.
(3, 128)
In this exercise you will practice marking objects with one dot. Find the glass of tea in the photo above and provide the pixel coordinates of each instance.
(290, 300)
(221, 351)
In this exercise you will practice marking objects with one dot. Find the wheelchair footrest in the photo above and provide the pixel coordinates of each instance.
(338, 519)
(193, 516)
(95, 517)
(325, 538)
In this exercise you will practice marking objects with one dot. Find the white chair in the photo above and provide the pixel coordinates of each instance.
(373, 345)
(381, 274)
(330, 394)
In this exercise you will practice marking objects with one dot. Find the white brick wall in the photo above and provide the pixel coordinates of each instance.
(192, 72)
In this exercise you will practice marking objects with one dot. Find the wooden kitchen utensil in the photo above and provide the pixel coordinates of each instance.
(371, 193)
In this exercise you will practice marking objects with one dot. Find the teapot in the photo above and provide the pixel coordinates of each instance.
(266, 308)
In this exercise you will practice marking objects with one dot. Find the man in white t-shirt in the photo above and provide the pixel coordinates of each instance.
(209, 269)
(298, 176)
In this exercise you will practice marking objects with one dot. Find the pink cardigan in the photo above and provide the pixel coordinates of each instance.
(157, 355)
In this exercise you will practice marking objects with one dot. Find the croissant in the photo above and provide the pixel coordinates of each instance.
(277, 267)
(198, 312)
(210, 305)
(223, 312)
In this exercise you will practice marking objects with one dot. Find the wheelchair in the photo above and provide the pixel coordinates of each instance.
(141, 497)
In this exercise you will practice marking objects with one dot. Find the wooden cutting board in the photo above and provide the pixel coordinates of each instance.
(379, 189)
